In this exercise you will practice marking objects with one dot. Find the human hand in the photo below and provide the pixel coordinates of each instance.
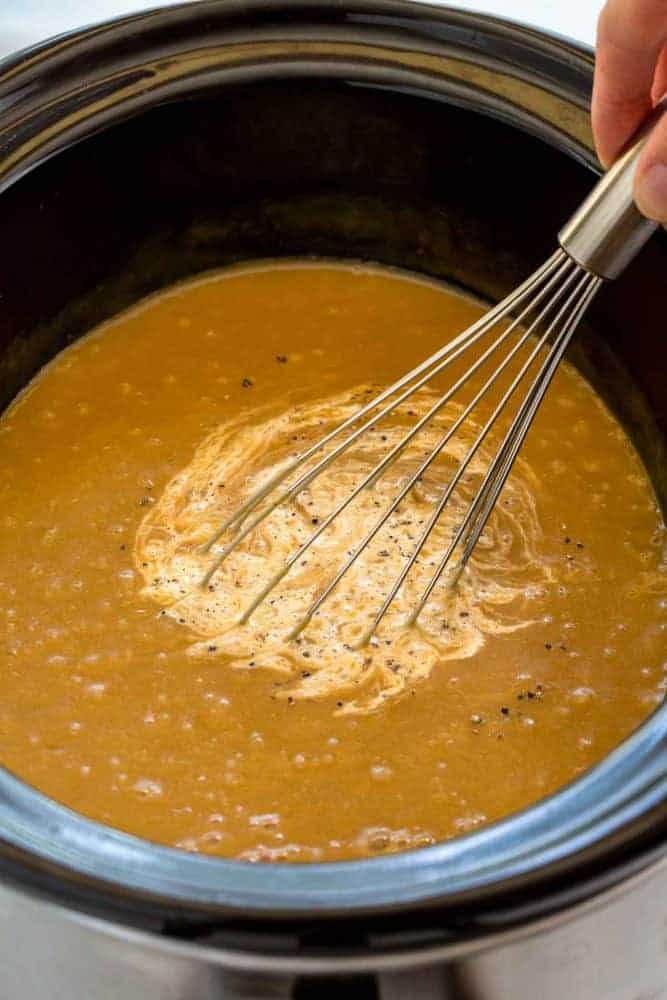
(630, 77)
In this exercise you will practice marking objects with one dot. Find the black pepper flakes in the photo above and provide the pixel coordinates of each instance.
(281, 359)
(246, 383)
(504, 710)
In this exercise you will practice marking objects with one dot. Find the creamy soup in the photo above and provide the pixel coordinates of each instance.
(132, 694)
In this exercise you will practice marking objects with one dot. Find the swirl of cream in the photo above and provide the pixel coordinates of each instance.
(494, 595)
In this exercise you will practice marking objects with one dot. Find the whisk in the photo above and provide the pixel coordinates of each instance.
(540, 317)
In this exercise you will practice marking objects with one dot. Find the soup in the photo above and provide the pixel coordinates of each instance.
(131, 693)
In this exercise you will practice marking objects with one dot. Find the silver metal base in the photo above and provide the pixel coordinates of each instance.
(614, 949)
(614, 952)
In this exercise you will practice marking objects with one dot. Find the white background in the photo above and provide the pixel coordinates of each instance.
(24, 22)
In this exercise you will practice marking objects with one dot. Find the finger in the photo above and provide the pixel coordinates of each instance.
(631, 36)
(660, 78)
(651, 176)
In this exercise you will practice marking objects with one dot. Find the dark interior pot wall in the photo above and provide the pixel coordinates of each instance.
(306, 167)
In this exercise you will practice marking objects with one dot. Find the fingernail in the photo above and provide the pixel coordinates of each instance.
(652, 193)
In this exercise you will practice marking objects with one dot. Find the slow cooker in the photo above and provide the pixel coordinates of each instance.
(156, 146)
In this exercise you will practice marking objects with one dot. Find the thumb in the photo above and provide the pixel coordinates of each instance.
(651, 176)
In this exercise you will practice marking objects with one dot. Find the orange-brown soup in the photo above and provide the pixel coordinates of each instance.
(131, 694)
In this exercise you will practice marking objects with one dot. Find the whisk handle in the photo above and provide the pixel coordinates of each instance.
(607, 231)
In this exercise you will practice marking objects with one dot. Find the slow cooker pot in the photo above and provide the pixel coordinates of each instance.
(157, 146)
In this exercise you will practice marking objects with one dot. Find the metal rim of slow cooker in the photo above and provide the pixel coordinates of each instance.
(621, 802)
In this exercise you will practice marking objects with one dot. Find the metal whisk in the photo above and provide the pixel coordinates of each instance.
(541, 315)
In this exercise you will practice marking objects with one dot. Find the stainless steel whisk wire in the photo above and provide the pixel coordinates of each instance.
(599, 241)
(444, 357)
(386, 461)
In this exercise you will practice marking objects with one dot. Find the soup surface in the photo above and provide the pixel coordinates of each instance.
(131, 693)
